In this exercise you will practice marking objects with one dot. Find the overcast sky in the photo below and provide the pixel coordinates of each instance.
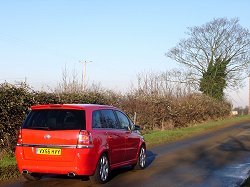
(121, 37)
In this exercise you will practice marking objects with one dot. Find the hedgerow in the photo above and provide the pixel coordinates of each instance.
(153, 111)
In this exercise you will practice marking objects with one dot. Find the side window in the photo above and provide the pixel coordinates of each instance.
(96, 119)
(123, 120)
(109, 118)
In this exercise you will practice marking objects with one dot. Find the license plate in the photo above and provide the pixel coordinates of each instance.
(48, 151)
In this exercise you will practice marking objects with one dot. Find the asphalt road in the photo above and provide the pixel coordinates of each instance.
(219, 158)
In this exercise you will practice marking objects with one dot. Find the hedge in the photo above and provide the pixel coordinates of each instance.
(152, 111)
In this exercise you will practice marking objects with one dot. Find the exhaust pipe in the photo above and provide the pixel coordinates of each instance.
(71, 174)
(25, 172)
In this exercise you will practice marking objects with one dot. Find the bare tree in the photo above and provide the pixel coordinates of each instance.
(69, 83)
(175, 83)
(220, 39)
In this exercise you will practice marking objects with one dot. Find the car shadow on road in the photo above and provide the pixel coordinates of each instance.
(55, 181)
(150, 157)
(149, 160)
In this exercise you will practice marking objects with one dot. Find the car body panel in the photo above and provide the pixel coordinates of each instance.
(122, 146)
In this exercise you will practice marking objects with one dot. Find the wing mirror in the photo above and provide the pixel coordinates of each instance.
(134, 127)
(137, 127)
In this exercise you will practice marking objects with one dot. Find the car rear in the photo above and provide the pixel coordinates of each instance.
(54, 139)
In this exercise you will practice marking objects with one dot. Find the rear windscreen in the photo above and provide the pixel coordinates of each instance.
(56, 119)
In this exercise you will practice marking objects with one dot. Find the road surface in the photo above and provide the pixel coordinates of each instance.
(219, 158)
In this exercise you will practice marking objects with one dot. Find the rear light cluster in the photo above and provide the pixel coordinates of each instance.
(19, 138)
(84, 139)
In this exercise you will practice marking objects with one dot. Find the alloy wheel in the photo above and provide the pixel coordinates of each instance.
(142, 157)
(104, 168)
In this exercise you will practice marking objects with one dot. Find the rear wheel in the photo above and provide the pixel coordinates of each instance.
(102, 171)
(141, 161)
(32, 176)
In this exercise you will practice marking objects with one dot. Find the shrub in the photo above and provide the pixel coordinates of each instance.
(167, 112)
(14, 103)
(153, 111)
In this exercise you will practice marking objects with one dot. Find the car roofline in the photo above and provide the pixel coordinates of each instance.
(71, 106)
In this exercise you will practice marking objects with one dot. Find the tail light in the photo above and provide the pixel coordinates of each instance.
(19, 138)
(84, 139)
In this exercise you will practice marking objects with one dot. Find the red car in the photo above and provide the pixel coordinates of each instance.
(78, 139)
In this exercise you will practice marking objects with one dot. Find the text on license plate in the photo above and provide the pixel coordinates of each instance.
(48, 151)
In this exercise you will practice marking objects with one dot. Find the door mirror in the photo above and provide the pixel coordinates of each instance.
(133, 127)
(137, 127)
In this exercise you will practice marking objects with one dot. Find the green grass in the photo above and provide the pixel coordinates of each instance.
(160, 137)
(8, 160)
(8, 168)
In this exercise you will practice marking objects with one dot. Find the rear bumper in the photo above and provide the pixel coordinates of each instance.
(84, 163)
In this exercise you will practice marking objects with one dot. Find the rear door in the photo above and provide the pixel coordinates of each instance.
(115, 138)
(52, 134)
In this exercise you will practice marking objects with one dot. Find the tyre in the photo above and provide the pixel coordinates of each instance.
(141, 161)
(102, 171)
(32, 176)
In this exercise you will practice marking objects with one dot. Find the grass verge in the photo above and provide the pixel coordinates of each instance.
(7, 160)
(160, 137)
(8, 168)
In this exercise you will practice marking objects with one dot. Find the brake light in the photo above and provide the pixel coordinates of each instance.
(19, 138)
(84, 139)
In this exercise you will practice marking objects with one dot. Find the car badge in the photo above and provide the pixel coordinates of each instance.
(47, 137)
